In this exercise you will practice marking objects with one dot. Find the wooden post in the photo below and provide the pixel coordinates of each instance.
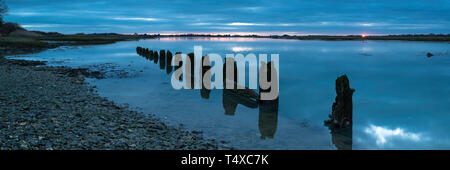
(169, 67)
(342, 110)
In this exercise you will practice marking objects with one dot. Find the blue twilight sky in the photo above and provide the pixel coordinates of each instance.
(233, 16)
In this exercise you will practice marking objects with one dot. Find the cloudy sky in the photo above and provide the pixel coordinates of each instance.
(233, 16)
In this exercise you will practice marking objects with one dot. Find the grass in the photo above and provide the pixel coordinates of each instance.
(22, 42)
(52, 41)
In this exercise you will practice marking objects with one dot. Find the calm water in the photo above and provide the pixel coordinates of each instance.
(402, 97)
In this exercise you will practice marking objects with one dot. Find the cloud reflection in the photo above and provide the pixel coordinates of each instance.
(241, 49)
(384, 135)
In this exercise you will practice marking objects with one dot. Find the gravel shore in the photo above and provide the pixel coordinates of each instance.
(52, 108)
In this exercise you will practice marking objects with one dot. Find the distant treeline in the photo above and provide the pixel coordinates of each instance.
(285, 35)
(406, 37)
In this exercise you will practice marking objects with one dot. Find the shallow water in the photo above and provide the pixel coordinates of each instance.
(401, 99)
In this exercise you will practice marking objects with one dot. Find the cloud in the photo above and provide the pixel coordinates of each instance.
(384, 135)
(324, 17)
(136, 19)
(42, 25)
(18, 13)
(201, 23)
(223, 28)
(244, 24)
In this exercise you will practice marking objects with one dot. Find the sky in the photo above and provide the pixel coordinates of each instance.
(295, 17)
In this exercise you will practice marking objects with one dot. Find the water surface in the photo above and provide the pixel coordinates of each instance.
(401, 99)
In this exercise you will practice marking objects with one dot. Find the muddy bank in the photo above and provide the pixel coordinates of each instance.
(51, 108)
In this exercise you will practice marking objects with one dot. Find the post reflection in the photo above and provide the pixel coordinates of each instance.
(341, 117)
(342, 138)
(268, 109)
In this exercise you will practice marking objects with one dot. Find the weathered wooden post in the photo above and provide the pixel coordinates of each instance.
(189, 70)
(181, 62)
(268, 109)
(204, 92)
(162, 59)
(342, 110)
(145, 53)
(150, 55)
(155, 57)
(138, 50)
(169, 67)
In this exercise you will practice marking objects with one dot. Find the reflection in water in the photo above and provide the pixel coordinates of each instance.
(232, 97)
(341, 123)
(268, 109)
(268, 118)
(342, 138)
(383, 134)
(229, 105)
(241, 49)
(381, 98)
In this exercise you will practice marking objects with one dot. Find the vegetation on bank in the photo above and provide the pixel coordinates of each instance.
(34, 40)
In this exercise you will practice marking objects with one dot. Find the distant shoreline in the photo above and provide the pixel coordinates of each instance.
(327, 37)
(43, 41)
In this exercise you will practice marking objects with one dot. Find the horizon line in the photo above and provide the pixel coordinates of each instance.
(258, 34)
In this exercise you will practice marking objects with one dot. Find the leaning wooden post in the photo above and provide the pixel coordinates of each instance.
(342, 110)
(181, 63)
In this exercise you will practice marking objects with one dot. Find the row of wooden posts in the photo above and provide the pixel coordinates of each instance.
(341, 117)
(165, 62)
(268, 110)
(164, 58)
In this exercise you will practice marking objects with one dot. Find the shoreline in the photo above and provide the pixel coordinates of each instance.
(424, 38)
(53, 108)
